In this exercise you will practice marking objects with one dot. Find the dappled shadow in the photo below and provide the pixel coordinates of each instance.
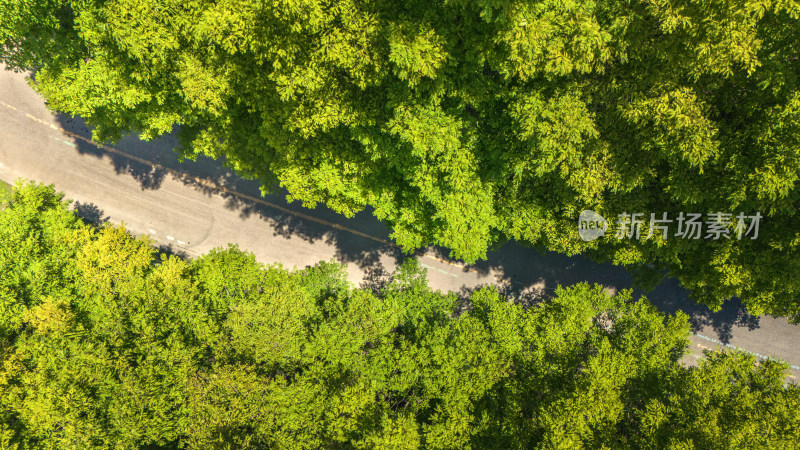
(376, 279)
(90, 213)
(150, 163)
(526, 275)
(669, 298)
(148, 176)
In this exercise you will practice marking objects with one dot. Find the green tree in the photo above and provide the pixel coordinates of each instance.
(465, 123)
(120, 348)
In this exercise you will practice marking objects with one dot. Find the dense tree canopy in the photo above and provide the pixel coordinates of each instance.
(104, 343)
(466, 123)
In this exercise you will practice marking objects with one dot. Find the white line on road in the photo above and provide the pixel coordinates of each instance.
(221, 188)
(66, 142)
(439, 270)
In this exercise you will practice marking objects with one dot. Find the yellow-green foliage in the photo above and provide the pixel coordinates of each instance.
(105, 345)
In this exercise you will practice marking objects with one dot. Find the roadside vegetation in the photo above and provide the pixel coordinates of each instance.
(6, 191)
(468, 123)
(105, 343)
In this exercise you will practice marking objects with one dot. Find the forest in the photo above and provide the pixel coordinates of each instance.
(467, 124)
(107, 342)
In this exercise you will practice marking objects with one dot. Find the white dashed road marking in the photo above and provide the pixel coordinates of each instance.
(439, 270)
(66, 142)
(170, 238)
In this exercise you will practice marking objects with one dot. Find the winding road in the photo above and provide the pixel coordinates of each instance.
(191, 207)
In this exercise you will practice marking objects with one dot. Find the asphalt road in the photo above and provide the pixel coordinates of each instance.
(191, 207)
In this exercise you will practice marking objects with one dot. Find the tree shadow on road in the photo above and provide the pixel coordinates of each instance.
(527, 274)
(151, 163)
(148, 176)
(90, 213)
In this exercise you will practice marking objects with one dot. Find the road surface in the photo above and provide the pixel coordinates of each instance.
(191, 207)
